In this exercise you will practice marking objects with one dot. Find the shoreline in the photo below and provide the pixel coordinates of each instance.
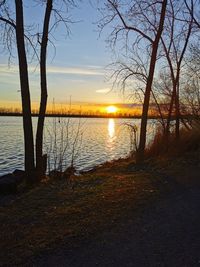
(59, 221)
(109, 116)
(103, 116)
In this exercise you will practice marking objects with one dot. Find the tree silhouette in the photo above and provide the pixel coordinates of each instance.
(18, 27)
(140, 18)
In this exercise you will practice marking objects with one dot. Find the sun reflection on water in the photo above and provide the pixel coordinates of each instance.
(111, 128)
(111, 135)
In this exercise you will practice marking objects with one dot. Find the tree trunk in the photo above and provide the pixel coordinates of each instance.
(43, 100)
(175, 80)
(177, 105)
(174, 98)
(25, 93)
(140, 152)
(169, 116)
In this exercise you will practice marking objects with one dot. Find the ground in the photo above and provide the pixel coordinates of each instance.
(117, 215)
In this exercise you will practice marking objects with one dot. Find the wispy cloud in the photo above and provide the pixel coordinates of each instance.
(85, 70)
(76, 70)
(103, 91)
(6, 70)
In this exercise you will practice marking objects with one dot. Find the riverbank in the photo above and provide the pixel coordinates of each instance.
(116, 214)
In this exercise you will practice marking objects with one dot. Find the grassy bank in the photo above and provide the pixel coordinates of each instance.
(57, 212)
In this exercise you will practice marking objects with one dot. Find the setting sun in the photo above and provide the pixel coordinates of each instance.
(111, 109)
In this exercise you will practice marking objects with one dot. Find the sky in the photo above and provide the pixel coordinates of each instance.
(76, 69)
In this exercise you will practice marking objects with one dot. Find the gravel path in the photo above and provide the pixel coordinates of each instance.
(166, 234)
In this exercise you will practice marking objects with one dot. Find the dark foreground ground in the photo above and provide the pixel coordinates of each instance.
(167, 234)
(117, 216)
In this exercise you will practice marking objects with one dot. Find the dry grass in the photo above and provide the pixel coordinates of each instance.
(53, 213)
(189, 142)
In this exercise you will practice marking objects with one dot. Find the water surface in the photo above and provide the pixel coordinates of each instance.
(86, 142)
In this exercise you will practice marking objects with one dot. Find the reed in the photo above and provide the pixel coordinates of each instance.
(63, 140)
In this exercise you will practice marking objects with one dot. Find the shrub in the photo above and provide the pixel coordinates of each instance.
(189, 142)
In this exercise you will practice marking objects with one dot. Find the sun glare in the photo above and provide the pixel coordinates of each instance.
(111, 109)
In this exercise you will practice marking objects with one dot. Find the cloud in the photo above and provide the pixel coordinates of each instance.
(85, 70)
(6, 70)
(103, 91)
(76, 70)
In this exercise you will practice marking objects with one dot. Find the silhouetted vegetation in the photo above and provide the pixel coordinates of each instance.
(158, 55)
(16, 28)
(188, 143)
(144, 40)
(157, 51)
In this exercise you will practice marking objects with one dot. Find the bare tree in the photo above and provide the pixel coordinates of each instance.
(191, 91)
(18, 27)
(43, 83)
(9, 26)
(194, 12)
(48, 27)
(175, 41)
(140, 18)
(25, 93)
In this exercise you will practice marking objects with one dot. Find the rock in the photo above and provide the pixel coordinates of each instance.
(8, 184)
(19, 176)
(10, 181)
(19, 172)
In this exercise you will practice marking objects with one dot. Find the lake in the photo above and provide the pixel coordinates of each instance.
(87, 142)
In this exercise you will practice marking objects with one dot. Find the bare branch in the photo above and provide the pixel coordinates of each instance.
(129, 27)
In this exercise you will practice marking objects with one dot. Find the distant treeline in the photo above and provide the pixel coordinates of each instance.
(19, 114)
(124, 116)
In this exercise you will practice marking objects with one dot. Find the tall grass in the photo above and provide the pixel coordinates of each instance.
(134, 138)
(189, 142)
(63, 140)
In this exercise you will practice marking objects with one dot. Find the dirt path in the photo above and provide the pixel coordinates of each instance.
(117, 215)
(166, 234)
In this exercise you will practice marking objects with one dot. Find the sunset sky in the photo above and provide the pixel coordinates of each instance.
(77, 69)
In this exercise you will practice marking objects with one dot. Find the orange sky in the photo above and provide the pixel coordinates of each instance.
(78, 107)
